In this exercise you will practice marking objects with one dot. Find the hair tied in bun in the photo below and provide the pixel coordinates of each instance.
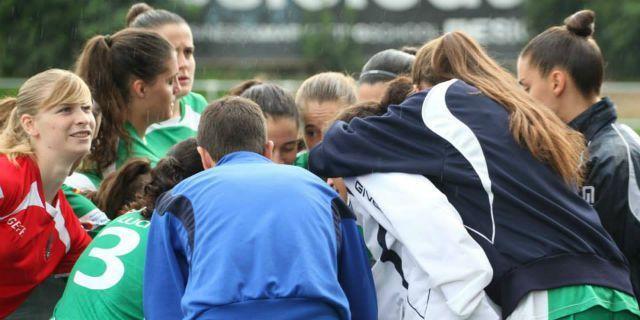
(108, 40)
(581, 23)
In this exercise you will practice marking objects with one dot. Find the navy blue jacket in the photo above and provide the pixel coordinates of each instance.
(536, 231)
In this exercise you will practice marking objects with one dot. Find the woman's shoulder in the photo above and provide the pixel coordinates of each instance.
(195, 101)
(16, 170)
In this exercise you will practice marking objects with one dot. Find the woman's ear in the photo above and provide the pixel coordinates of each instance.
(268, 150)
(138, 88)
(28, 125)
(558, 81)
(205, 157)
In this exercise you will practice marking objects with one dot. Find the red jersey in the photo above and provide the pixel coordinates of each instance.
(37, 239)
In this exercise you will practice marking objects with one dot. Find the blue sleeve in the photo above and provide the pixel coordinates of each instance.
(166, 269)
(354, 273)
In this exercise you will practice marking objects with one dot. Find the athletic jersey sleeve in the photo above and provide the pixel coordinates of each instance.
(78, 237)
(354, 273)
(415, 212)
(8, 183)
(91, 217)
(166, 260)
(394, 142)
(5, 196)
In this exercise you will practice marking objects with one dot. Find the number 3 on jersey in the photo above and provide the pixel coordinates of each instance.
(128, 241)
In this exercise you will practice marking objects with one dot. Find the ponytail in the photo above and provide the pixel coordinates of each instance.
(108, 64)
(7, 105)
(13, 140)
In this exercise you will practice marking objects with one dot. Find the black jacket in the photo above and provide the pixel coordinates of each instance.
(613, 176)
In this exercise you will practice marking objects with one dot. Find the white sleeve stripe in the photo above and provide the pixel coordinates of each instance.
(438, 118)
(58, 219)
(31, 199)
(633, 191)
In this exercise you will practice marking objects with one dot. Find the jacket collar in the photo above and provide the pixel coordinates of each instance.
(240, 157)
(592, 120)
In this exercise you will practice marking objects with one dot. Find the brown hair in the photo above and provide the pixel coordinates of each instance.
(109, 64)
(456, 55)
(136, 185)
(360, 110)
(274, 101)
(397, 91)
(572, 48)
(40, 92)
(232, 124)
(142, 15)
(243, 86)
(122, 187)
(326, 86)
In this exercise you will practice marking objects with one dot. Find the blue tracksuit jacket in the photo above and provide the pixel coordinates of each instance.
(250, 239)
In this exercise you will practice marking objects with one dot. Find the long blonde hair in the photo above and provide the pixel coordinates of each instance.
(40, 92)
(456, 55)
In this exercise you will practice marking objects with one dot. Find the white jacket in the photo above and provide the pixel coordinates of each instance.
(427, 265)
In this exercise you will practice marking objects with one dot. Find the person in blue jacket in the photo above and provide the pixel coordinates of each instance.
(251, 239)
(509, 168)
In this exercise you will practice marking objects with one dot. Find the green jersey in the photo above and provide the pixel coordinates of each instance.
(106, 281)
(302, 159)
(140, 148)
(163, 135)
(577, 303)
(159, 137)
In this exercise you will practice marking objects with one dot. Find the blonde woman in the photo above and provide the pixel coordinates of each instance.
(319, 99)
(49, 129)
(473, 151)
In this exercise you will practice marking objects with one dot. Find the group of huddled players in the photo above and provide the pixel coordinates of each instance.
(436, 186)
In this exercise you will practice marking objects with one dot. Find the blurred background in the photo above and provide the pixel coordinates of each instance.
(286, 41)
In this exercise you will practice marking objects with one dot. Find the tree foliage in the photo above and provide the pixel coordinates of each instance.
(323, 48)
(617, 29)
(40, 34)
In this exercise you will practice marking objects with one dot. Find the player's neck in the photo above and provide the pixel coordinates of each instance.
(53, 172)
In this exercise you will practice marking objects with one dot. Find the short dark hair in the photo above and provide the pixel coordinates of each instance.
(232, 124)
